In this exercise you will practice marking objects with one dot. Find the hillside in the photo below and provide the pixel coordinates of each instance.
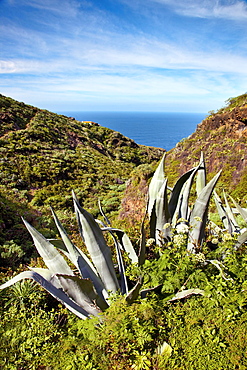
(223, 139)
(44, 156)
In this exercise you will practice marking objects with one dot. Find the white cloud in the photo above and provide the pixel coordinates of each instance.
(232, 10)
(125, 57)
(94, 60)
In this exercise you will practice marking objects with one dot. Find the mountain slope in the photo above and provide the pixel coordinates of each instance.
(43, 156)
(43, 150)
(223, 139)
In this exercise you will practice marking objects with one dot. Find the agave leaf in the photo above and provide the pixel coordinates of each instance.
(75, 200)
(222, 212)
(82, 292)
(52, 258)
(119, 246)
(234, 223)
(70, 248)
(174, 198)
(183, 210)
(80, 260)
(127, 245)
(56, 293)
(186, 293)
(242, 238)
(144, 292)
(198, 216)
(241, 210)
(123, 280)
(225, 213)
(59, 244)
(125, 242)
(162, 214)
(107, 221)
(134, 293)
(47, 275)
(142, 250)
(97, 248)
(155, 184)
(219, 265)
(153, 222)
(184, 196)
(201, 175)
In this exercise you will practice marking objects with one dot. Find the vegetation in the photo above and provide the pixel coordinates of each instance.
(231, 103)
(190, 270)
(174, 299)
(44, 155)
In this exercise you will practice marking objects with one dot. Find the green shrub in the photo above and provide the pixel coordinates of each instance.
(186, 311)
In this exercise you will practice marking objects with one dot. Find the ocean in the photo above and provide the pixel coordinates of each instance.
(158, 129)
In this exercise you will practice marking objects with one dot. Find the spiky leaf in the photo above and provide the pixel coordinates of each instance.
(162, 214)
(155, 185)
(241, 210)
(52, 258)
(222, 212)
(80, 260)
(201, 176)
(142, 250)
(174, 198)
(198, 215)
(234, 223)
(82, 292)
(56, 293)
(186, 293)
(134, 293)
(97, 248)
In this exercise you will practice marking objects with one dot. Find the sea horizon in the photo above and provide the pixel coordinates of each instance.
(157, 129)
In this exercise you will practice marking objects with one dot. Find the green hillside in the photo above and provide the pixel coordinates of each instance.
(44, 156)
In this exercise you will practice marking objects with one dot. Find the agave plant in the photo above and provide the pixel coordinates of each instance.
(87, 294)
(227, 215)
(174, 210)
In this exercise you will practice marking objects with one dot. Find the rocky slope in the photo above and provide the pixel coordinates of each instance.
(222, 137)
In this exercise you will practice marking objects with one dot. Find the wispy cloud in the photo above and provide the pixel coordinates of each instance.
(234, 10)
(81, 50)
(123, 56)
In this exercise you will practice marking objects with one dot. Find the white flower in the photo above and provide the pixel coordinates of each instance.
(227, 236)
(150, 242)
(180, 239)
(182, 228)
(199, 257)
(215, 241)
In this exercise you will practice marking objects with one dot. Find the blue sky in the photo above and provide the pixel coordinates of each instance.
(123, 55)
